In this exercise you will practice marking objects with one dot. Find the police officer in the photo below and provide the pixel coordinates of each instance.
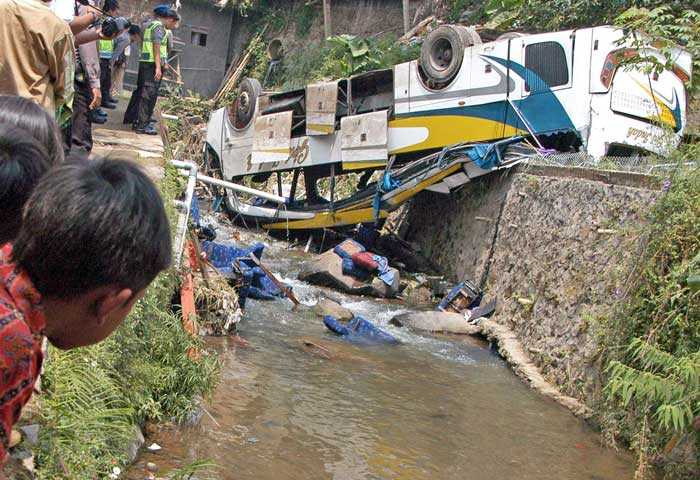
(154, 56)
(106, 49)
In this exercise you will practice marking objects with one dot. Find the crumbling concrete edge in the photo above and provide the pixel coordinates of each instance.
(512, 350)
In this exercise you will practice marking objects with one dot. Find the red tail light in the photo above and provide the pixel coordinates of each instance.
(680, 73)
(611, 63)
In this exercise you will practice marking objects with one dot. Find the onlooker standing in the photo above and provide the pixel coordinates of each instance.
(87, 100)
(154, 56)
(120, 57)
(38, 55)
(106, 48)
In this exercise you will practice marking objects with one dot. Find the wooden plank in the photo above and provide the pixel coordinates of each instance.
(272, 277)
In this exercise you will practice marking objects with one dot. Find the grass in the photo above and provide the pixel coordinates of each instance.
(94, 398)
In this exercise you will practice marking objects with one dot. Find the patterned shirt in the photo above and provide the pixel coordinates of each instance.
(21, 333)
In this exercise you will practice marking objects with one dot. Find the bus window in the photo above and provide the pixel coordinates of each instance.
(546, 60)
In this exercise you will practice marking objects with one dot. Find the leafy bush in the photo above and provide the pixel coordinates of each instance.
(653, 364)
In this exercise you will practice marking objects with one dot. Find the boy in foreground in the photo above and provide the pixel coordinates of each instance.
(94, 235)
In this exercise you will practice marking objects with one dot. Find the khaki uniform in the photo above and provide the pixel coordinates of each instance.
(37, 55)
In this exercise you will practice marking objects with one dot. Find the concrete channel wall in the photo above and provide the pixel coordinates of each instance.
(553, 246)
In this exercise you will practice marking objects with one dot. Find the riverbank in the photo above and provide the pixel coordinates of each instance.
(589, 269)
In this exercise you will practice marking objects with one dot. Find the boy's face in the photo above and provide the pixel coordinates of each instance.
(88, 319)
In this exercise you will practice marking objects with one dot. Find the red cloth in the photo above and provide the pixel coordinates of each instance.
(365, 261)
(22, 325)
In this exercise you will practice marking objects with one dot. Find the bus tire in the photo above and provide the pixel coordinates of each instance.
(442, 54)
(249, 92)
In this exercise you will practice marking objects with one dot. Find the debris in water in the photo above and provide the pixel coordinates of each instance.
(154, 447)
(359, 330)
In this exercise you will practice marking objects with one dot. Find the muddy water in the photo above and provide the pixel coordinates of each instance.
(431, 408)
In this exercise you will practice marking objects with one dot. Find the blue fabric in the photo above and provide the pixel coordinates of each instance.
(385, 186)
(350, 269)
(384, 271)
(222, 256)
(339, 250)
(194, 210)
(359, 330)
(257, 285)
(484, 156)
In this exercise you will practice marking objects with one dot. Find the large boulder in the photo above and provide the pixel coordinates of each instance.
(419, 295)
(326, 270)
(326, 307)
(436, 322)
(382, 290)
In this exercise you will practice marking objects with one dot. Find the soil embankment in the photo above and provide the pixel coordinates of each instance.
(554, 247)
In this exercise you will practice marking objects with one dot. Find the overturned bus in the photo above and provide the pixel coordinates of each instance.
(463, 109)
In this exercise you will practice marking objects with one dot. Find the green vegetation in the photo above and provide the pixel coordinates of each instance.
(339, 57)
(653, 342)
(95, 397)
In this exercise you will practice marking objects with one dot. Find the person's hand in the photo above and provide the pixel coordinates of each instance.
(93, 10)
(158, 75)
(96, 99)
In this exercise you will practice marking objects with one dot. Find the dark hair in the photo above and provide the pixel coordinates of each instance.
(91, 224)
(134, 30)
(23, 161)
(27, 114)
(110, 5)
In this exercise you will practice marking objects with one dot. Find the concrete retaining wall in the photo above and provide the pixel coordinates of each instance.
(556, 244)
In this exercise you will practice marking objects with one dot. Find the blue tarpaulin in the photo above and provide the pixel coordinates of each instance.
(484, 156)
(359, 330)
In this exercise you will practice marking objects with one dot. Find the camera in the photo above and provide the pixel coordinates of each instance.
(113, 26)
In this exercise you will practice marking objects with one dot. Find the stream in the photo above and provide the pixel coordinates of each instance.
(435, 407)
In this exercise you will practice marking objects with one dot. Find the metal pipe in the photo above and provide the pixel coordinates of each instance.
(527, 124)
(185, 214)
(237, 188)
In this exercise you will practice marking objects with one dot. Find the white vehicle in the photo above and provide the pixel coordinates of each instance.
(562, 90)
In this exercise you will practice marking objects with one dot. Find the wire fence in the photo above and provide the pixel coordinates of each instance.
(650, 165)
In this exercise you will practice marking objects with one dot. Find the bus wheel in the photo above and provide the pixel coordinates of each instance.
(250, 90)
(443, 52)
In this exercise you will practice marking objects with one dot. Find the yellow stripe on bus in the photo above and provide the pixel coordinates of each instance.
(446, 130)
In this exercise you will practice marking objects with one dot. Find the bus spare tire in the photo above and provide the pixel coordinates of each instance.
(443, 52)
(249, 92)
